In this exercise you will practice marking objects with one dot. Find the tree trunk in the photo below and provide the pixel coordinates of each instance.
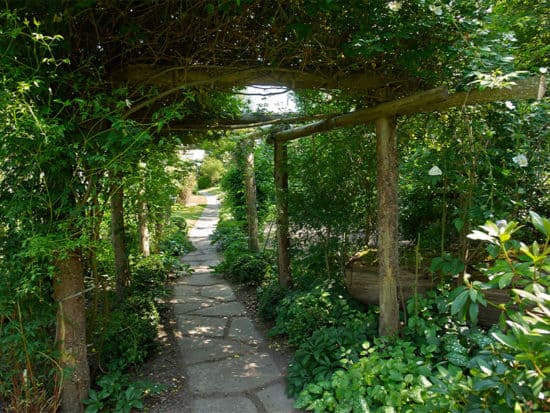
(71, 332)
(122, 266)
(281, 193)
(388, 209)
(144, 234)
(250, 187)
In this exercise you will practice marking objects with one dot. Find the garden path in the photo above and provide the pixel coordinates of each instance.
(228, 364)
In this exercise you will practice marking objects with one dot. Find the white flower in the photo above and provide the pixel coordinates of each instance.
(437, 10)
(520, 160)
(435, 171)
(543, 70)
(509, 105)
(395, 5)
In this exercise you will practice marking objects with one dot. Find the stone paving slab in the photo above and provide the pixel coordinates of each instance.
(202, 280)
(201, 349)
(193, 305)
(243, 329)
(226, 368)
(219, 292)
(275, 400)
(201, 326)
(238, 404)
(232, 375)
(232, 308)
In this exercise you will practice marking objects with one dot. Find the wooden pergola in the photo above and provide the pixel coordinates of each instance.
(172, 46)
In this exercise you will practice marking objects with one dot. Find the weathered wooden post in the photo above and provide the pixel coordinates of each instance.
(250, 188)
(388, 211)
(281, 193)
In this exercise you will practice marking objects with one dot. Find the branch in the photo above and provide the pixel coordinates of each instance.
(429, 101)
(229, 77)
(247, 122)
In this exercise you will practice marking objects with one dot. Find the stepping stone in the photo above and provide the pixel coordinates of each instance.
(192, 305)
(201, 326)
(202, 280)
(224, 405)
(232, 375)
(201, 349)
(275, 400)
(219, 292)
(181, 290)
(223, 310)
(242, 329)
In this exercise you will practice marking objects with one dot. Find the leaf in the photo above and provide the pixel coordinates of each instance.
(459, 302)
(542, 224)
(480, 236)
(474, 311)
(458, 223)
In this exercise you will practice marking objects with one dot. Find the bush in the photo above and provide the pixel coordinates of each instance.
(269, 297)
(148, 276)
(211, 173)
(328, 350)
(303, 312)
(126, 336)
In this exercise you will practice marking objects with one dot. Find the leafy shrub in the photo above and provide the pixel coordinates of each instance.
(326, 351)
(176, 244)
(127, 335)
(388, 377)
(149, 275)
(303, 312)
(269, 297)
(228, 232)
(210, 173)
(117, 394)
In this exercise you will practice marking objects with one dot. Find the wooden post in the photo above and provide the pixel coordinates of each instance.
(281, 193)
(250, 188)
(388, 255)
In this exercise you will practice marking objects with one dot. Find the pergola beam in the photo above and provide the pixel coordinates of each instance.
(230, 77)
(428, 101)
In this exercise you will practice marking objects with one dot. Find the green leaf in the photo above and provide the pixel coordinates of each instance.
(459, 302)
(542, 224)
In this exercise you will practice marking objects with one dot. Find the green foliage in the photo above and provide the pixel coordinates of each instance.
(233, 184)
(116, 393)
(227, 232)
(210, 173)
(327, 350)
(388, 377)
(270, 295)
(301, 313)
(148, 276)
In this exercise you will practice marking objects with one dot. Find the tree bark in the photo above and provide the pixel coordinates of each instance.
(388, 210)
(71, 331)
(122, 266)
(281, 193)
(250, 188)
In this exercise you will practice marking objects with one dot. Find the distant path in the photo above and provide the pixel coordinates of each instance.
(228, 367)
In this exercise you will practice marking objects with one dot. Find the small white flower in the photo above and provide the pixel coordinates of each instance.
(435, 171)
(543, 70)
(520, 160)
(395, 5)
(509, 105)
(437, 10)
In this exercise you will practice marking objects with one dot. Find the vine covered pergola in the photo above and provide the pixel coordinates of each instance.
(390, 58)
